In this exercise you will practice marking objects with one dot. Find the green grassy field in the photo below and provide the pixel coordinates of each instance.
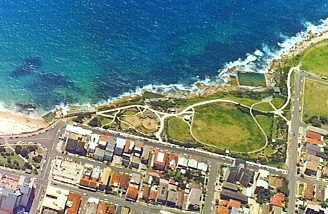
(278, 102)
(264, 107)
(251, 79)
(227, 127)
(178, 130)
(266, 123)
(315, 99)
(245, 99)
(315, 59)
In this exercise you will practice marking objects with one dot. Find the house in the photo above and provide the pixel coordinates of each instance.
(120, 143)
(73, 203)
(173, 161)
(309, 192)
(136, 178)
(315, 159)
(183, 162)
(314, 142)
(276, 182)
(111, 209)
(125, 181)
(192, 163)
(311, 169)
(104, 180)
(132, 194)
(162, 191)
(76, 145)
(103, 140)
(115, 179)
(160, 160)
(54, 199)
(195, 199)
(145, 155)
(181, 199)
(94, 141)
(202, 167)
(313, 147)
(102, 208)
(172, 198)
(135, 162)
(314, 135)
(240, 175)
(137, 150)
(230, 186)
(325, 171)
(145, 193)
(128, 148)
(153, 194)
(99, 154)
(111, 144)
(320, 193)
(233, 204)
(228, 194)
(278, 200)
(317, 130)
(223, 210)
(108, 156)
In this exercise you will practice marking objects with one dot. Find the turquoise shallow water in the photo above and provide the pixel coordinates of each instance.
(94, 50)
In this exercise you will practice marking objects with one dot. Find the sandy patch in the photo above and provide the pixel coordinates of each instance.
(16, 124)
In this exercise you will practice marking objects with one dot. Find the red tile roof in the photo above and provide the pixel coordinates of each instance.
(153, 195)
(223, 210)
(233, 203)
(309, 192)
(111, 209)
(133, 193)
(278, 199)
(102, 208)
(104, 138)
(125, 181)
(115, 179)
(76, 203)
(160, 158)
(314, 141)
(313, 135)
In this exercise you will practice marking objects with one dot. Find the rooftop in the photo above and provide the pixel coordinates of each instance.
(55, 198)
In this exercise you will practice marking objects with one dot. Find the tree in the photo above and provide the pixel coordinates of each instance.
(27, 165)
(32, 148)
(2, 149)
(37, 159)
(24, 152)
(18, 149)
(263, 196)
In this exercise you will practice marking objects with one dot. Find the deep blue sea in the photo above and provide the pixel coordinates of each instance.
(88, 51)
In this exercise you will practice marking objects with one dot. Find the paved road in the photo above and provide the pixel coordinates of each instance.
(209, 206)
(293, 140)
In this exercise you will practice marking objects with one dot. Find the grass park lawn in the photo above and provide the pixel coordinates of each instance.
(265, 106)
(315, 59)
(220, 95)
(105, 120)
(227, 127)
(130, 111)
(15, 157)
(278, 102)
(178, 130)
(315, 101)
(266, 123)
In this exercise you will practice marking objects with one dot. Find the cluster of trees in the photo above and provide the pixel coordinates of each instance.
(81, 118)
(317, 121)
(24, 151)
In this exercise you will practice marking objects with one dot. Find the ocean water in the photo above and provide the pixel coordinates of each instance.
(56, 52)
